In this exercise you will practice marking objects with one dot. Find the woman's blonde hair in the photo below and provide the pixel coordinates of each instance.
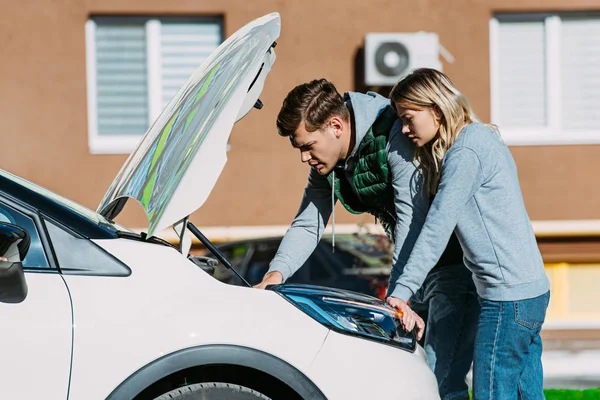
(429, 88)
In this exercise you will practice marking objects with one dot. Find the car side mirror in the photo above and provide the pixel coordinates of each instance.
(14, 245)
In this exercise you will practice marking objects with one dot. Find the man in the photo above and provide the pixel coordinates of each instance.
(359, 156)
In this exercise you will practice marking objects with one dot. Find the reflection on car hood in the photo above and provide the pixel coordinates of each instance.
(178, 161)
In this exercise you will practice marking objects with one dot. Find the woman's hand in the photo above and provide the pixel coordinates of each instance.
(408, 317)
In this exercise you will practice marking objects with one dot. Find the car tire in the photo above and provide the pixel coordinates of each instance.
(213, 391)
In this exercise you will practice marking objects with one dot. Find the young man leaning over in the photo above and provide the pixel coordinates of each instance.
(358, 155)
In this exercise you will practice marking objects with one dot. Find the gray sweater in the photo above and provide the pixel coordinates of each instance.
(411, 203)
(480, 199)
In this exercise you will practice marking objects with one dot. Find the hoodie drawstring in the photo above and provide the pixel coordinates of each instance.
(333, 212)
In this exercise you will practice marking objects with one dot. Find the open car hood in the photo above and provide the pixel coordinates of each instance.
(178, 161)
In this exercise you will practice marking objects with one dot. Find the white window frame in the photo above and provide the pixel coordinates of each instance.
(553, 133)
(123, 143)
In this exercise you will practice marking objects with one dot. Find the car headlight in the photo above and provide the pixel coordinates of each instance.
(350, 313)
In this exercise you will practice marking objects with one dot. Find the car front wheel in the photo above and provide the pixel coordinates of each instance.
(213, 391)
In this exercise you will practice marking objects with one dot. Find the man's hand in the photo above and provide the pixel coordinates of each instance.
(271, 278)
(408, 317)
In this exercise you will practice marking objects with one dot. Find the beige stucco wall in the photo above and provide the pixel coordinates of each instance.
(43, 111)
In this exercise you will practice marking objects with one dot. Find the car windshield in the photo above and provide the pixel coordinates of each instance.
(370, 250)
(63, 201)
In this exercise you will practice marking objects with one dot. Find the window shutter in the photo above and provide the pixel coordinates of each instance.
(522, 74)
(121, 78)
(580, 73)
(184, 46)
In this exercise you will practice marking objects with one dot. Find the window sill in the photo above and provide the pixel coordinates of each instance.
(118, 144)
(533, 137)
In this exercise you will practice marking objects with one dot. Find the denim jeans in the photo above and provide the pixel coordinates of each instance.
(508, 350)
(449, 305)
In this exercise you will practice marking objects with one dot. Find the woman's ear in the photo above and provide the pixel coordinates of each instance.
(438, 114)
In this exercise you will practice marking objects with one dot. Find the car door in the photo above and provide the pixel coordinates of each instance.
(36, 338)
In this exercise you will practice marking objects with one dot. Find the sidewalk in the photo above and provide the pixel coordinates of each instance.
(568, 369)
(571, 359)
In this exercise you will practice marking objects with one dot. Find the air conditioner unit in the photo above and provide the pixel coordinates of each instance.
(390, 56)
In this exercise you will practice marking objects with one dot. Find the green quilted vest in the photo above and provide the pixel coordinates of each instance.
(371, 176)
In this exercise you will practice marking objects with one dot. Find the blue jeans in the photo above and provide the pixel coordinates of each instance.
(449, 305)
(508, 350)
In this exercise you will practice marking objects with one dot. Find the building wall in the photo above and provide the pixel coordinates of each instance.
(43, 111)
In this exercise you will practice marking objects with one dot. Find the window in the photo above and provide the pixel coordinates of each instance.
(134, 68)
(545, 80)
(36, 257)
(258, 265)
(82, 211)
(81, 256)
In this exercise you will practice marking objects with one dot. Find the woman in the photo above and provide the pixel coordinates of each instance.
(477, 195)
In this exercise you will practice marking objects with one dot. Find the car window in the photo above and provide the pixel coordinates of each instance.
(235, 253)
(81, 256)
(36, 257)
(259, 263)
(71, 205)
(363, 250)
(323, 264)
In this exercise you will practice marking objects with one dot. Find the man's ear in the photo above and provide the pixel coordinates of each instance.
(337, 124)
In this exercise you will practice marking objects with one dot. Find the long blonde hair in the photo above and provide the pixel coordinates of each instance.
(425, 87)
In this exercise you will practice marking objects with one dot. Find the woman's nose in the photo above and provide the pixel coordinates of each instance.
(405, 129)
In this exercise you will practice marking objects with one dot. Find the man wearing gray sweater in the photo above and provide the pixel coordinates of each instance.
(359, 156)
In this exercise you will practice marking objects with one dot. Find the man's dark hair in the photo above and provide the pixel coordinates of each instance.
(311, 103)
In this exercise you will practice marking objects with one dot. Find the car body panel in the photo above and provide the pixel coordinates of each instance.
(351, 368)
(36, 341)
(176, 305)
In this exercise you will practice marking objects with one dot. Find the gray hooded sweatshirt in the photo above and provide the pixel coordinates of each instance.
(480, 199)
(411, 203)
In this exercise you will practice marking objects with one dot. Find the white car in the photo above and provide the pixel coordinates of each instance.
(90, 310)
